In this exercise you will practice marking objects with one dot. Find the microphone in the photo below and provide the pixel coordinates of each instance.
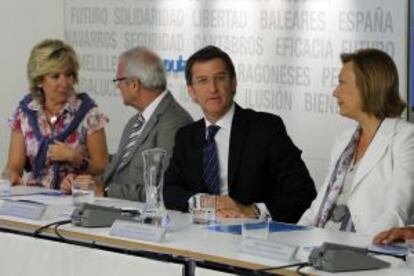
(91, 215)
(333, 257)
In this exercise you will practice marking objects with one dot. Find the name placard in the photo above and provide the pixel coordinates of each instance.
(137, 231)
(268, 249)
(23, 209)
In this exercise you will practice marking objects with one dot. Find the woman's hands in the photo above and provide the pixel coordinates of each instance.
(62, 152)
(84, 181)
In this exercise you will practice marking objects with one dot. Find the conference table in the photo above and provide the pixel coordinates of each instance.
(188, 249)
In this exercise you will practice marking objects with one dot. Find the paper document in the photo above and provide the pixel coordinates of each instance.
(396, 249)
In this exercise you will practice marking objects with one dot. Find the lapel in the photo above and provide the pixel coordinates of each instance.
(149, 126)
(197, 148)
(375, 150)
(239, 131)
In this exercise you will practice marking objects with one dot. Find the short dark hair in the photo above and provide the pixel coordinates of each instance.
(205, 54)
(377, 80)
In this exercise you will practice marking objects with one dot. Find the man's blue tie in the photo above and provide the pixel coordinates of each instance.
(211, 173)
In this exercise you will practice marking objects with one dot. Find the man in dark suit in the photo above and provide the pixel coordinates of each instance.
(239, 161)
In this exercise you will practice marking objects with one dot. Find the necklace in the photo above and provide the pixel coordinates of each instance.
(53, 119)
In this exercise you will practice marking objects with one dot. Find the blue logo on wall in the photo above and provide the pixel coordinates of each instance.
(174, 65)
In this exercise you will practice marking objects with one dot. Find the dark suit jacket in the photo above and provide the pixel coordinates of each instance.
(264, 166)
(160, 130)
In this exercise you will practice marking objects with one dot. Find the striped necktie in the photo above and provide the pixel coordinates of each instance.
(132, 140)
(211, 174)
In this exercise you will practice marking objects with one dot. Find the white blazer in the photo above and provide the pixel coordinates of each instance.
(382, 191)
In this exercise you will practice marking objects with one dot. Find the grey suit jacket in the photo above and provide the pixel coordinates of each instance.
(159, 132)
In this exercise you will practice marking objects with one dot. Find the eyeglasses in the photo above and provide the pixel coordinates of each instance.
(117, 80)
(217, 79)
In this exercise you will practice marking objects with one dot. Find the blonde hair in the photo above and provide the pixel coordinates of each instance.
(49, 56)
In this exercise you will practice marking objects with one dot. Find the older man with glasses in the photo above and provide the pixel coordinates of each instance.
(142, 82)
(141, 79)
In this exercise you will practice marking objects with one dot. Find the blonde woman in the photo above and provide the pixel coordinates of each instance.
(58, 130)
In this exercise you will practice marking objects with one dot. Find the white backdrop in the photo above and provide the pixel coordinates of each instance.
(286, 53)
(22, 24)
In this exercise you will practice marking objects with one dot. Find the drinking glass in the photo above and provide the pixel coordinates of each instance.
(5, 184)
(83, 191)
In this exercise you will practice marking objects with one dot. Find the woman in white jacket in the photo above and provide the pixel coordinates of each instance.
(370, 183)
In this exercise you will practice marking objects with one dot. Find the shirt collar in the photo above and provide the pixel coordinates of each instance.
(225, 121)
(149, 110)
(69, 106)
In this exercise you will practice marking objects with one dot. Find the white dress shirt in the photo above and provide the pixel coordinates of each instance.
(149, 110)
(222, 139)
